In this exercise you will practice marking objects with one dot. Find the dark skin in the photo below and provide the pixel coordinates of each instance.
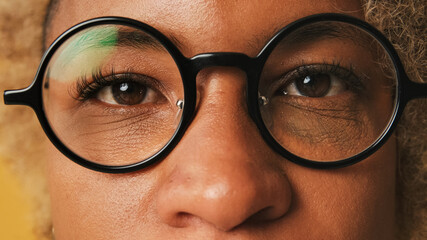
(232, 185)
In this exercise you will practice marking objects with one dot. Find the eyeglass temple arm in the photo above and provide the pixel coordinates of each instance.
(19, 97)
(416, 90)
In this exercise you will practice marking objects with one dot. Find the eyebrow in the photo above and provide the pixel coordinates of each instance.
(315, 31)
(141, 40)
(321, 31)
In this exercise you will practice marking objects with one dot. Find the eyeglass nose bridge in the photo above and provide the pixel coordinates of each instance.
(251, 66)
(221, 59)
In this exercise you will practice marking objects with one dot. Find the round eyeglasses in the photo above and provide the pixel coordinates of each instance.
(115, 95)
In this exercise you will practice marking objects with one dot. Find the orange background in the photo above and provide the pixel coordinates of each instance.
(15, 222)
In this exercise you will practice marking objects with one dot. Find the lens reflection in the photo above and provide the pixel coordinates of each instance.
(110, 95)
(329, 90)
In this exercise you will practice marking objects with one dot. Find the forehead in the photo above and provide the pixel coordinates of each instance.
(203, 25)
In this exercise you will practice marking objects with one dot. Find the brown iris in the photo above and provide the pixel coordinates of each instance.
(128, 93)
(316, 85)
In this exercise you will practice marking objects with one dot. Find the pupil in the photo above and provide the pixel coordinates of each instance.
(128, 93)
(314, 85)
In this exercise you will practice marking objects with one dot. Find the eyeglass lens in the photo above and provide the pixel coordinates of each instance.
(328, 91)
(114, 95)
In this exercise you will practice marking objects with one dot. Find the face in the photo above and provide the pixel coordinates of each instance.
(221, 181)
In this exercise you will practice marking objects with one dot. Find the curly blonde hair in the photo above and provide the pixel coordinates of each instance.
(21, 37)
(404, 24)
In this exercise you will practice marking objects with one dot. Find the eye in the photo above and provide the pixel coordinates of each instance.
(317, 81)
(126, 93)
(124, 89)
(315, 86)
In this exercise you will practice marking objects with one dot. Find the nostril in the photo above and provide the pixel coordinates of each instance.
(262, 215)
(183, 219)
(234, 201)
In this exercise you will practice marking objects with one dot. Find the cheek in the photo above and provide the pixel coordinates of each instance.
(98, 204)
(354, 201)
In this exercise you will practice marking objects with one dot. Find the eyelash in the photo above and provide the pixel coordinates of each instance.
(85, 90)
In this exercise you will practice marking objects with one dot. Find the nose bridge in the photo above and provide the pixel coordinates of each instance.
(221, 171)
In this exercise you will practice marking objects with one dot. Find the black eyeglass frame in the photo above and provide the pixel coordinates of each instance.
(189, 68)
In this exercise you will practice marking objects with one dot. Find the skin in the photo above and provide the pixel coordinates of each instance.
(232, 185)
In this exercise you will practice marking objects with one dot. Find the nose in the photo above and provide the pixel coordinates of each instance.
(222, 173)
